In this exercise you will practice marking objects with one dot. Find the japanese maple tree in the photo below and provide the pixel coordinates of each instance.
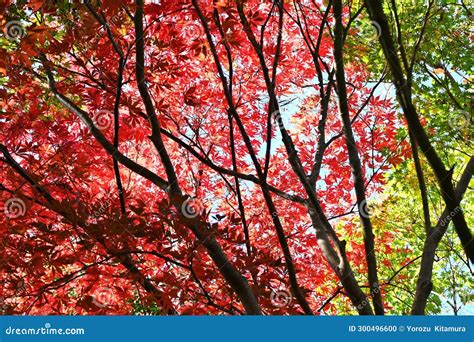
(201, 157)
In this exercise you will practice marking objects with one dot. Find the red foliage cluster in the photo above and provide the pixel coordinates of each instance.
(78, 252)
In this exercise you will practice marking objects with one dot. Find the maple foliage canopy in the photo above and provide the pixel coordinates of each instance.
(194, 157)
